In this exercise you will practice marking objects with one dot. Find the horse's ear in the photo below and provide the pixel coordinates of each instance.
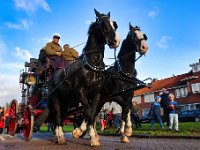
(130, 26)
(109, 14)
(97, 13)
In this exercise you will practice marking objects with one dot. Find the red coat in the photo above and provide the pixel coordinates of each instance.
(1, 120)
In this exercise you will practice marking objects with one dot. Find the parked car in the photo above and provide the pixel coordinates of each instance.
(189, 115)
(145, 118)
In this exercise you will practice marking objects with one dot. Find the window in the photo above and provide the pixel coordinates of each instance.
(196, 88)
(196, 67)
(149, 98)
(137, 99)
(181, 92)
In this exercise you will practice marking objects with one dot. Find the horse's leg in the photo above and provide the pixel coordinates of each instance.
(59, 135)
(94, 139)
(128, 129)
(77, 132)
(87, 113)
(125, 111)
(124, 139)
(93, 133)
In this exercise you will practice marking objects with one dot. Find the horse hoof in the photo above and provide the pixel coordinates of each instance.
(75, 133)
(128, 132)
(95, 143)
(124, 140)
(62, 142)
(97, 137)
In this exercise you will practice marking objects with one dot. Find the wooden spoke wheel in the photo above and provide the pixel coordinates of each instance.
(28, 123)
(12, 125)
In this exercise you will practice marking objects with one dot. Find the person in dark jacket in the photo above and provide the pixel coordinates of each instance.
(164, 104)
(155, 113)
(135, 110)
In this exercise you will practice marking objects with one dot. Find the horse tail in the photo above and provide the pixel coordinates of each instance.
(41, 119)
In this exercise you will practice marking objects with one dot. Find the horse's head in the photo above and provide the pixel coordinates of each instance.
(138, 39)
(107, 28)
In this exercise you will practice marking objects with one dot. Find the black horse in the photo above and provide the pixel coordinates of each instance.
(123, 76)
(82, 82)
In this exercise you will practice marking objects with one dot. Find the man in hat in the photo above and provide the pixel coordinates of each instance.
(54, 54)
(53, 48)
(70, 54)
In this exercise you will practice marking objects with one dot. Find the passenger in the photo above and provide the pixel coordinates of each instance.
(155, 112)
(70, 54)
(53, 48)
(54, 54)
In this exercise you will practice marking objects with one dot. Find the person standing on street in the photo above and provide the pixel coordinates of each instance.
(164, 104)
(173, 115)
(155, 113)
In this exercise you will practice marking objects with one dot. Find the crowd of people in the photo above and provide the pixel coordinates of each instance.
(164, 104)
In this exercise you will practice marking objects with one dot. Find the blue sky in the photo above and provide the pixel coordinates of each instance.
(172, 27)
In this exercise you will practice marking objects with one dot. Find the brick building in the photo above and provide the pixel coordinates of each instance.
(185, 87)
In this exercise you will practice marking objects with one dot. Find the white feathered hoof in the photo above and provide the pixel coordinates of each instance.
(95, 142)
(128, 132)
(76, 133)
(124, 140)
(61, 141)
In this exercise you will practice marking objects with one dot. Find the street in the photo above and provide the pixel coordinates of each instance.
(43, 141)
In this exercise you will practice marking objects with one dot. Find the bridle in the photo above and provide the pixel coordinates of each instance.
(85, 59)
(106, 34)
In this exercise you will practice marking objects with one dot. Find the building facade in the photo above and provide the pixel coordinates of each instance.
(185, 87)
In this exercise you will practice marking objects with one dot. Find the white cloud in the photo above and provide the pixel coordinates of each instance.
(9, 88)
(23, 54)
(163, 42)
(2, 48)
(31, 5)
(23, 24)
(88, 22)
(154, 12)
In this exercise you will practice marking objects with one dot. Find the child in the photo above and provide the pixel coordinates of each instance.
(102, 118)
(155, 112)
(173, 115)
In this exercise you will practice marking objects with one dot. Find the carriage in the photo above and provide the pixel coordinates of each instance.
(34, 91)
(86, 82)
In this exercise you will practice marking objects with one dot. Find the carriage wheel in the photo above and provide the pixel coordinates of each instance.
(28, 123)
(12, 125)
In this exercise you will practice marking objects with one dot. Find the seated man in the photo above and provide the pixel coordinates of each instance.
(51, 57)
(54, 53)
(70, 54)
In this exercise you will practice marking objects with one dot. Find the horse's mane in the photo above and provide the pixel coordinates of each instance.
(121, 52)
(91, 28)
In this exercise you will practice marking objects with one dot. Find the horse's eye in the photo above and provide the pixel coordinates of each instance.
(115, 24)
(145, 37)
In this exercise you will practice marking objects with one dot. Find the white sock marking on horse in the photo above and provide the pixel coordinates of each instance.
(92, 132)
(122, 127)
(129, 124)
(59, 132)
(2, 138)
(83, 126)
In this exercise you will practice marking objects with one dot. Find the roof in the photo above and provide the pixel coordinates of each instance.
(168, 83)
